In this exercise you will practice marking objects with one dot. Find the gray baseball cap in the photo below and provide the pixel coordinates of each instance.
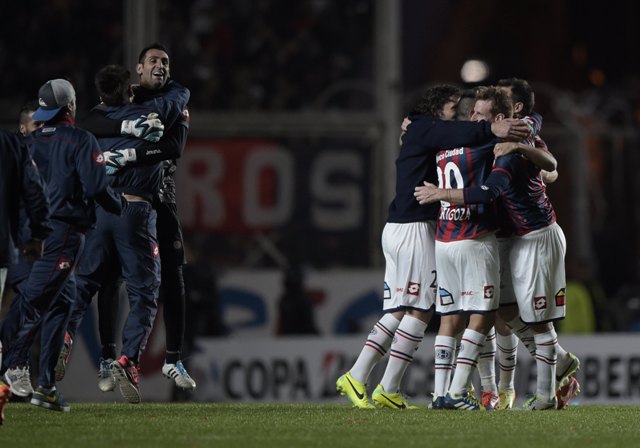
(53, 96)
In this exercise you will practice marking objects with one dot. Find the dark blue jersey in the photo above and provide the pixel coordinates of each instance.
(416, 161)
(138, 179)
(176, 96)
(461, 168)
(21, 190)
(143, 178)
(71, 165)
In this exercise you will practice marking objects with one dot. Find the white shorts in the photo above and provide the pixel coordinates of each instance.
(410, 272)
(538, 275)
(507, 294)
(468, 275)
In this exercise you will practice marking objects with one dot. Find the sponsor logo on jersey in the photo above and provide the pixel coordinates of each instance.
(488, 291)
(449, 153)
(540, 303)
(63, 264)
(99, 159)
(155, 250)
(455, 214)
(445, 297)
(413, 288)
(387, 291)
(561, 297)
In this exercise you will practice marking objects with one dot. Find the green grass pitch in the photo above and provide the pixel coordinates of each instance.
(313, 425)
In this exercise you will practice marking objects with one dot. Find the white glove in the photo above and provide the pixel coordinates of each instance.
(116, 160)
(147, 127)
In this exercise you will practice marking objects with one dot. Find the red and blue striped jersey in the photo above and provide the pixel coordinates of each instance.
(459, 168)
(523, 205)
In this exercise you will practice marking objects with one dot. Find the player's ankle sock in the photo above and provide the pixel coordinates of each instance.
(467, 360)
(171, 357)
(406, 341)
(525, 334)
(546, 358)
(375, 348)
(445, 347)
(507, 359)
(487, 363)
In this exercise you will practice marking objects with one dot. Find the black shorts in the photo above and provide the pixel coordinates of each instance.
(169, 234)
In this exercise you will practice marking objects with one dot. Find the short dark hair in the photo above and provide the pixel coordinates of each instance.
(521, 92)
(434, 99)
(27, 108)
(501, 103)
(465, 104)
(153, 46)
(112, 84)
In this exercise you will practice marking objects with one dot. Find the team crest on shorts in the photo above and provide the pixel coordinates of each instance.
(488, 292)
(561, 297)
(540, 303)
(445, 297)
(387, 291)
(413, 289)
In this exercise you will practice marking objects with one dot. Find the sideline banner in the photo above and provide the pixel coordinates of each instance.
(305, 369)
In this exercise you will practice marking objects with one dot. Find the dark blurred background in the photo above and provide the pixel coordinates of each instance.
(296, 107)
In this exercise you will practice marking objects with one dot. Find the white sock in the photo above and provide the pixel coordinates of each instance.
(487, 363)
(375, 348)
(525, 334)
(406, 341)
(445, 347)
(508, 359)
(546, 358)
(467, 360)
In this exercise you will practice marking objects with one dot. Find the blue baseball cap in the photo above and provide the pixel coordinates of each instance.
(52, 97)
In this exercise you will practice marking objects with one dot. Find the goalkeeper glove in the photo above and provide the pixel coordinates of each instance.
(116, 160)
(147, 127)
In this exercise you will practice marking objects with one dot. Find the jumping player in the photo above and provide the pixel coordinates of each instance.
(155, 84)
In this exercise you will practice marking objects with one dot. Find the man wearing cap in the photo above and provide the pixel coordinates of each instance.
(72, 167)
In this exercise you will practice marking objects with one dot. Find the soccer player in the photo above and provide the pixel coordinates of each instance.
(536, 255)
(523, 99)
(155, 84)
(408, 245)
(131, 238)
(72, 167)
(154, 71)
(468, 269)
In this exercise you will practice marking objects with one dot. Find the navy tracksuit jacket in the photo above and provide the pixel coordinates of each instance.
(72, 167)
